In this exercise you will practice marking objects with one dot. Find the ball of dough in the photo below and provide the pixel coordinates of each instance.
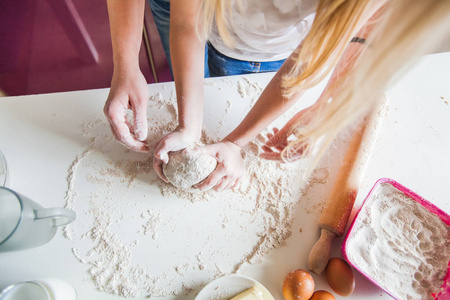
(186, 168)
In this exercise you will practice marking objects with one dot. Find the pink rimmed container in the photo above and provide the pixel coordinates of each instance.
(444, 294)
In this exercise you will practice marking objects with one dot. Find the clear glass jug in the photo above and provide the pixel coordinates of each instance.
(3, 170)
(26, 224)
(40, 289)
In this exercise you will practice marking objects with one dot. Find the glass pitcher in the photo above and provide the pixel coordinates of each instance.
(26, 224)
(40, 289)
(3, 170)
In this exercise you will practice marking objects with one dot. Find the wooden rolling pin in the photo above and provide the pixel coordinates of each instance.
(339, 204)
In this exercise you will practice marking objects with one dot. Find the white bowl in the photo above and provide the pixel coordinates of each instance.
(225, 288)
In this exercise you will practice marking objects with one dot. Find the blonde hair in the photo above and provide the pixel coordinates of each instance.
(334, 25)
(216, 12)
(407, 30)
(411, 29)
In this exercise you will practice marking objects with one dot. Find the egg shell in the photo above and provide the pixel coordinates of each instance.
(322, 295)
(340, 276)
(298, 285)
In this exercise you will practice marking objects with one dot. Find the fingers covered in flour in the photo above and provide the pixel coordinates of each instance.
(176, 140)
(230, 166)
(128, 91)
(158, 167)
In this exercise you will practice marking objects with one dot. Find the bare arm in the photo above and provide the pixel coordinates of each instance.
(346, 63)
(128, 86)
(187, 52)
(188, 55)
(126, 23)
(270, 105)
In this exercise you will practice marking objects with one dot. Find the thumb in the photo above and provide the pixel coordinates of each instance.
(140, 122)
(161, 152)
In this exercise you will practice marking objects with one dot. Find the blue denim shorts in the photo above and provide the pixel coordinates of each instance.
(222, 65)
(216, 64)
(161, 14)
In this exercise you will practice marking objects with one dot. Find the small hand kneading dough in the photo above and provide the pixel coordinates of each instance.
(186, 168)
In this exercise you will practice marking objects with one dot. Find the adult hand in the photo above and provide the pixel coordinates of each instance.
(178, 139)
(230, 166)
(128, 91)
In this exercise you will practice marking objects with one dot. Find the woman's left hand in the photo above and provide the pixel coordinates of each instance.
(230, 166)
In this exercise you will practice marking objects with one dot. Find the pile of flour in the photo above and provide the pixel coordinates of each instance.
(400, 244)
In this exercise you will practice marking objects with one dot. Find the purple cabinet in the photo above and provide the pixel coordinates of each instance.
(65, 45)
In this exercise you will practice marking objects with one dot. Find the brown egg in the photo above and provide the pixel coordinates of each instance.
(340, 276)
(298, 285)
(322, 295)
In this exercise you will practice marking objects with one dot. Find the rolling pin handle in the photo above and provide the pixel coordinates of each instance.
(320, 253)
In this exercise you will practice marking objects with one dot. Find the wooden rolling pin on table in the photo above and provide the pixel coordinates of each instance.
(339, 204)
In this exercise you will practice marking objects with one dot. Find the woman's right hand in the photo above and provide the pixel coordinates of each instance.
(280, 138)
(178, 139)
(128, 91)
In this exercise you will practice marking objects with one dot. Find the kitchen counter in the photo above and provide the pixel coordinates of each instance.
(60, 152)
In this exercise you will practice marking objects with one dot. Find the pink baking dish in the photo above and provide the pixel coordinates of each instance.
(445, 288)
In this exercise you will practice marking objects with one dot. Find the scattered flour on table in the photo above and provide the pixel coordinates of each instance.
(134, 244)
(400, 244)
(229, 105)
(152, 224)
(250, 90)
(70, 193)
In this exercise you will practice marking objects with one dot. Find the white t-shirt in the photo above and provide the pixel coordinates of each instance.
(266, 30)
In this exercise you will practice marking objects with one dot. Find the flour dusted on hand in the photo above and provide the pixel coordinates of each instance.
(186, 167)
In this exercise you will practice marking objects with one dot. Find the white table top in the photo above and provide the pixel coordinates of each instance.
(42, 136)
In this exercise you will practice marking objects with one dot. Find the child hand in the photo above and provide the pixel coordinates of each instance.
(230, 166)
(280, 139)
(176, 140)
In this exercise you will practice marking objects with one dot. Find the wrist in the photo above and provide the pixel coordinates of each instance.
(232, 144)
(193, 133)
(126, 63)
(127, 74)
(238, 139)
(192, 125)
